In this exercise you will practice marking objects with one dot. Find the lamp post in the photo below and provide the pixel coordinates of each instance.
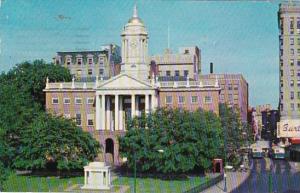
(225, 150)
(134, 157)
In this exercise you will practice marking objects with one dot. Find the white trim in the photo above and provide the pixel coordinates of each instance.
(55, 98)
(77, 98)
(207, 102)
(196, 100)
(169, 103)
(65, 101)
(89, 98)
(183, 99)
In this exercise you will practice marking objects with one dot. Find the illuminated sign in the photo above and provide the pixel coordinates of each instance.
(288, 128)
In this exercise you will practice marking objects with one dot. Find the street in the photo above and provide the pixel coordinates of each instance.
(284, 177)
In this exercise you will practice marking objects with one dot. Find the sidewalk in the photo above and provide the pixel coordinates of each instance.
(234, 179)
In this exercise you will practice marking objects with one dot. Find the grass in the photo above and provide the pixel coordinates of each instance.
(17, 183)
(149, 185)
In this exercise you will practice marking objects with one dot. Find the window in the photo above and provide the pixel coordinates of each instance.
(177, 73)
(298, 41)
(298, 105)
(292, 51)
(291, 23)
(292, 62)
(281, 83)
(230, 97)
(79, 61)
(298, 94)
(78, 119)
(230, 87)
(236, 97)
(292, 72)
(101, 71)
(298, 62)
(168, 73)
(90, 119)
(281, 106)
(298, 51)
(78, 72)
(292, 83)
(281, 41)
(186, 51)
(181, 99)
(67, 101)
(292, 106)
(194, 99)
(78, 101)
(236, 87)
(298, 83)
(222, 96)
(90, 71)
(68, 60)
(54, 100)
(281, 95)
(298, 23)
(281, 52)
(186, 73)
(169, 100)
(90, 61)
(281, 72)
(90, 101)
(281, 62)
(292, 95)
(291, 41)
(207, 99)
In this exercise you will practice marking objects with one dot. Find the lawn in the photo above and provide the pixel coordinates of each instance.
(17, 183)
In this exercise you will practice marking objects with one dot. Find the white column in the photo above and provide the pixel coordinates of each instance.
(132, 106)
(153, 102)
(121, 113)
(103, 112)
(85, 178)
(116, 112)
(137, 109)
(98, 113)
(108, 117)
(146, 103)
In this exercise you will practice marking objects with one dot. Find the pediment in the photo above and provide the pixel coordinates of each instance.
(124, 81)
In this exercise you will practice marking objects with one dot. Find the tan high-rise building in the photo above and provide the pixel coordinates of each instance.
(289, 60)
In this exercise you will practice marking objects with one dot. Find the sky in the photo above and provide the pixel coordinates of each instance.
(237, 36)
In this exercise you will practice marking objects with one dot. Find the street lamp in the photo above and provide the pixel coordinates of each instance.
(225, 150)
(134, 157)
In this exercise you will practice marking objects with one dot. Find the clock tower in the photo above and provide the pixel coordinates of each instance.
(135, 48)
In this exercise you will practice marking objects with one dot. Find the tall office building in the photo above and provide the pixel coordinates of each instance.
(289, 66)
(289, 42)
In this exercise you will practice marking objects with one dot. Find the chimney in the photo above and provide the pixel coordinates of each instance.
(211, 68)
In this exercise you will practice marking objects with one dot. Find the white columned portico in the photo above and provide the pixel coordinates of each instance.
(108, 113)
(132, 105)
(147, 103)
(153, 102)
(116, 112)
(103, 112)
(98, 112)
(120, 115)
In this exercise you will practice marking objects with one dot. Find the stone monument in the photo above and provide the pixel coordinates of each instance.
(97, 176)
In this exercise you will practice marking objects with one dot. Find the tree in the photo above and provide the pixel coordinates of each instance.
(184, 136)
(31, 78)
(55, 143)
(234, 133)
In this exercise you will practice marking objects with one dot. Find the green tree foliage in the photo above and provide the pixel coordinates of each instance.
(31, 78)
(55, 140)
(236, 133)
(184, 136)
(22, 116)
(3, 175)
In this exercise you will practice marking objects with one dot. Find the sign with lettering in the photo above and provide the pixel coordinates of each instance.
(288, 128)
